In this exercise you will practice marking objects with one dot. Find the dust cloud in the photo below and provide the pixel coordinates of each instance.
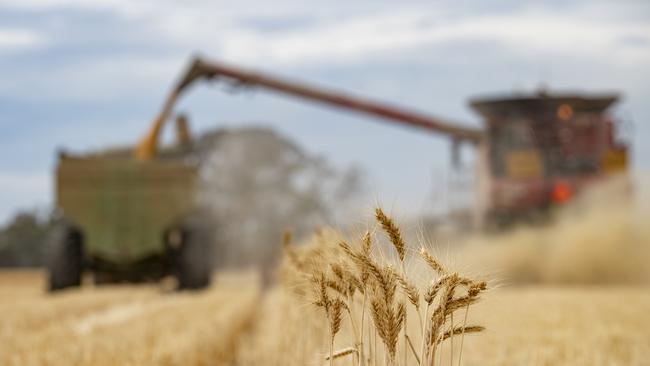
(603, 237)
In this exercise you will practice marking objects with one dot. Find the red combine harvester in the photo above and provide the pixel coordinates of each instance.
(535, 151)
(542, 150)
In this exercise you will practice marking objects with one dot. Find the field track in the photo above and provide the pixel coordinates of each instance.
(122, 325)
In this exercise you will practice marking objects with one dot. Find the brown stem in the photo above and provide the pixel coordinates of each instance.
(405, 318)
(374, 339)
(432, 354)
(413, 349)
(406, 337)
(451, 341)
(354, 328)
(362, 359)
(331, 348)
(462, 335)
(424, 354)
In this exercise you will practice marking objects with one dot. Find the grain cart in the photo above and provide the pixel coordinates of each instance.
(130, 214)
(128, 220)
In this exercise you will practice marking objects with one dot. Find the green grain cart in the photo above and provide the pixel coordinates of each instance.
(128, 220)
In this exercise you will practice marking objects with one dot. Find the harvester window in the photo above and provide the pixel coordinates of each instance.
(508, 138)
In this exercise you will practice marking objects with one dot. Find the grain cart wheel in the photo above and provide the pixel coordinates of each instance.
(190, 248)
(65, 260)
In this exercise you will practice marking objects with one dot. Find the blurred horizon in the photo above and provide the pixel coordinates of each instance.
(89, 75)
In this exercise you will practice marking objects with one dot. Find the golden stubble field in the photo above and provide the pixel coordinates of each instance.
(230, 324)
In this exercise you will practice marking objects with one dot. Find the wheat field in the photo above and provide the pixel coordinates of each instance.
(524, 326)
(233, 324)
(226, 325)
(593, 313)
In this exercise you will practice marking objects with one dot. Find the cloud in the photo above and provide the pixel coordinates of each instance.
(17, 39)
(123, 7)
(362, 38)
(162, 35)
(416, 34)
(343, 33)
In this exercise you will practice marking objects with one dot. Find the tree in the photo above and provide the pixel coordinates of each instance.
(258, 184)
(22, 240)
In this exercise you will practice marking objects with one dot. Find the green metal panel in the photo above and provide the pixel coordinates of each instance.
(122, 205)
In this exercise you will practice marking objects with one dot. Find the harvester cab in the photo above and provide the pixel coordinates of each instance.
(542, 149)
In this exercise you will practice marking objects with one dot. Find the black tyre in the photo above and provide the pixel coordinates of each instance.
(65, 259)
(190, 249)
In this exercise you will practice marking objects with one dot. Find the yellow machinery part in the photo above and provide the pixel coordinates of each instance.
(614, 161)
(524, 164)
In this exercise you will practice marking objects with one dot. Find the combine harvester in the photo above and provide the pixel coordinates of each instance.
(129, 214)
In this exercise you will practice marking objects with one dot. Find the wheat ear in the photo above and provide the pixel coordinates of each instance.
(393, 232)
(342, 352)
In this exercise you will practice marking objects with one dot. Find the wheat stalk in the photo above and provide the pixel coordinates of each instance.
(344, 277)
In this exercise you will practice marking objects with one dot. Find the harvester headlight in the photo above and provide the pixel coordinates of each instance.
(561, 192)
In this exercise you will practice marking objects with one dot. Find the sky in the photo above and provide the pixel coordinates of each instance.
(83, 75)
